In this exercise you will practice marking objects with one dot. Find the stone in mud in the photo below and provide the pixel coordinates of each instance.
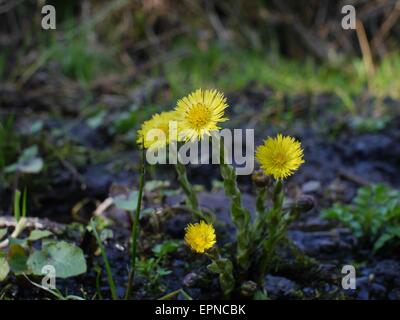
(367, 288)
(308, 292)
(389, 269)
(280, 287)
(86, 135)
(374, 146)
(315, 223)
(320, 242)
(311, 186)
(98, 180)
(191, 279)
(378, 291)
(394, 294)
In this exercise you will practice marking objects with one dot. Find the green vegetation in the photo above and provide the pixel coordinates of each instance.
(373, 216)
(79, 59)
(110, 278)
(151, 268)
(71, 103)
(233, 68)
(18, 211)
(21, 257)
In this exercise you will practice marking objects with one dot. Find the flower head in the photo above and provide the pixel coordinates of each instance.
(280, 156)
(200, 237)
(158, 132)
(200, 112)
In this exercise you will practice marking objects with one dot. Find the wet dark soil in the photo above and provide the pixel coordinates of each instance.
(338, 162)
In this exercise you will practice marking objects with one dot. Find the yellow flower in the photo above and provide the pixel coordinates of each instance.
(200, 112)
(280, 156)
(156, 131)
(200, 237)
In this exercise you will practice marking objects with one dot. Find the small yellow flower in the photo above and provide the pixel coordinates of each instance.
(280, 156)
(200, 237)
(156, 131)
(199, 113)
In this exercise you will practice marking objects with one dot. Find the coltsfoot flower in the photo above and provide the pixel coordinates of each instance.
(280, 156)
(157, 140)
(200, 237)
(199, 113)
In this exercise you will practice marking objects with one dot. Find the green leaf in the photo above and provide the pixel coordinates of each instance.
(166, 247)
(21, 242)
(163, 272)
(17, 258)
(106, 234)
(97, 120)
(390, 234)
(17, 208)
(260, 295)
(373, 209)
(127, 202)
(67, 259)
(28, 162)
(33, 165)
(29, 153)
(38, 234)
(4, 268)
(3, 233)
(153, 185)
(213, 267)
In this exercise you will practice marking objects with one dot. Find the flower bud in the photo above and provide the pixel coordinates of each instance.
(260, 179)
(305, 203)
(248, 289)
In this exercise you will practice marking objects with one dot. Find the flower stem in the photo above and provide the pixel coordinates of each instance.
(260, 221)
(276, 231)
(135, 231)
(224, 268)
(110, 278)
(240, 215)
(191, 197)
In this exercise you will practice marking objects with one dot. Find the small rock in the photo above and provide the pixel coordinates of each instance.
(308, 292)
(280, 287)
(311, 186)
(191, 279)
(248, 288)
(394, 294)
(388, 269)
(378, 291)
(363, 294)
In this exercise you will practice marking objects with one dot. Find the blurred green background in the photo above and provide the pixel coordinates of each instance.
(296, 46)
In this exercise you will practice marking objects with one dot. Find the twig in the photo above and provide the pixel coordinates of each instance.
(20, 226)
(353, 178)
(387, 24)
(103, 206)
(365, 49)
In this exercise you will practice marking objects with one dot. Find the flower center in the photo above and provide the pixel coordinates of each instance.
(198, 116)
(280, 158)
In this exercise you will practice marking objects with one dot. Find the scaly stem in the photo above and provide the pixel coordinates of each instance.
(191, 197)
(240, 215)
(260, 221)
(224, 268)
(276, 231)
(135, 231)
